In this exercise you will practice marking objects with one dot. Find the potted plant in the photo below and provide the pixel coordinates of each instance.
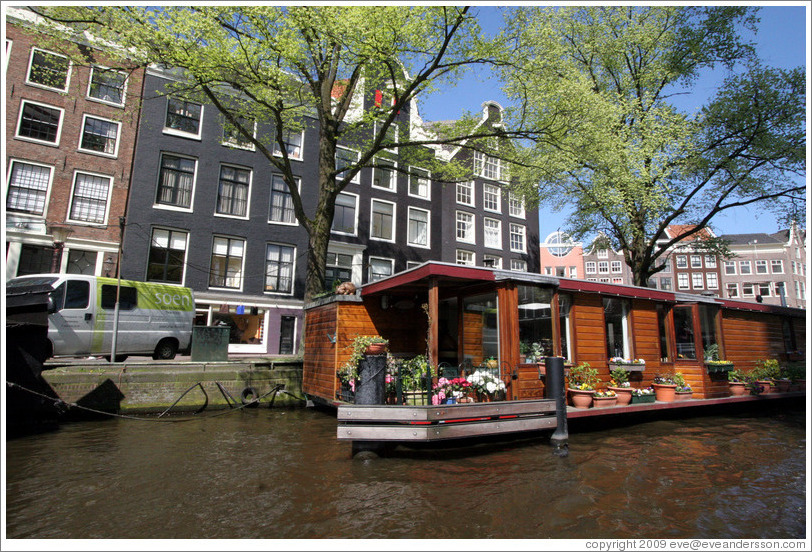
(738, 382)
(604, 398)
(796, 373)
(713, 363)
(361, 345)
(645, 395)
(413, 373)
(665, 387)
(582, 381)
(766, 372)
(629, 364)
(683, 392)
(487, 386)
(450, 391)
(621, 386)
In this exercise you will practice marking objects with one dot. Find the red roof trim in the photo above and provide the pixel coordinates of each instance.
(614, 289)
(427, 271)
(761, 307)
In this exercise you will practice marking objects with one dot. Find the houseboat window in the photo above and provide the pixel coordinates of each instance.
(662, 324)
(707, 323)
(684, 330)
(788, 331)
(536, 319)
(616, 314)
(564, 307)
(480, 330)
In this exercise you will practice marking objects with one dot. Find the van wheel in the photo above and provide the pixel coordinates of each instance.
(119, 358)
(166, 349)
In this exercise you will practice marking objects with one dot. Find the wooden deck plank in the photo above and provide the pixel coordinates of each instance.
(436, 413)
(436, 432)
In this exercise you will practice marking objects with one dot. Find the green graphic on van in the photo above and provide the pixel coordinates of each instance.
(143, 296)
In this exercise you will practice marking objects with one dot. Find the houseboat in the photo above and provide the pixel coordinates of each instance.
(466, 317)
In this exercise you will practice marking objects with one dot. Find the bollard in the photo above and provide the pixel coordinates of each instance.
(370, 388)
(555, 390)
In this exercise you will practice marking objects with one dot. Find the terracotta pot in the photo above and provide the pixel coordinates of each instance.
(604, 402)
(580, 398)
(375, 349)
(624, 395)
(737, 388)
(683, 395)
(664, 392)
(766, 386)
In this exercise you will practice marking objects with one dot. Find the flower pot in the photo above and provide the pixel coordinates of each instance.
(643, 399)
(624, 395)
(665, 392)
(604, 402)
(628, 367)
(449, 400)
(716, 367)
(782, 385)
(581, 398)
(375, 349)
(765, 386)
(737, 388)
(683, 395)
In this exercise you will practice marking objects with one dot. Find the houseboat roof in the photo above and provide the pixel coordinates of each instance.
(446, 275)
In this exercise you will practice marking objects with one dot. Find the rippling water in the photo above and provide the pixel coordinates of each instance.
(281, 474)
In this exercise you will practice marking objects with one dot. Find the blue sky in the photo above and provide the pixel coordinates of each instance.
(781, 41)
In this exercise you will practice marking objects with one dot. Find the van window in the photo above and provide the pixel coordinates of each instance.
(77, 294)
(128, 299)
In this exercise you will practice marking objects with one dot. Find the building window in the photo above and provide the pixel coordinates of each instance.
(697, 280)
(232, 194)
(744, 267)
(465, 193)
(167, 253)
(465, 227)
(616, 267)
(287, 334)
(40, 123)
(465, 257)
(390, 137)
(493, 233)
(682, 281)
(666, 264)
(666, 284)
(710, 261)
(732, 290)
(226, 263)
(761, 267)
(28, 186)
(281, 210)
(517, 238)
(380, 268)
(384, 175)
(696, 261)
(590, 267)
(35, 259)
(492, 261)
(107, 85)
(419, 183)
(487, 166)
(279, 265)
(100, 136)
(292, 141)
(383, 220)
(518, 265)
(573, 272)
(781, 289)
(615, 314)
(491, 198)
(764, 289)
(338, 269)
(344, 218)
(682, 261)
(89, 198)
(747, 290)
(183, 117)
(81, 262)
(419, 227)
(712, 280)
(603, 267)
(176, 181)
(48, 69)
(730, 268)
(346, 158)
(515, 205)
(620, 281)
(603, 253)
(232, 136)
(777, 266)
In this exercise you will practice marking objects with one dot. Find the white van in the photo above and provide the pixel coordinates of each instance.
(154, 319)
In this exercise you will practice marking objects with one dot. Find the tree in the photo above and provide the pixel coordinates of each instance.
(601, 80)
(286, 65)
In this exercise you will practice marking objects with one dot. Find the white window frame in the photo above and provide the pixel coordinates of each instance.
(748, 289)
(710, 261)
(393, 174)
(730, 268)
(603, 267)
(355, 222)
(519, 232)
(241, 274)
(292, 275)
(55, 143)
(469, 234)
(294, 222)
(372, 211)
(779, 263)
(603, 253)
(409, 241)
(682, 261)
(355, 179)
(168, 207)
(491, 193)
(487, 166)
(185, 252)
(734, 287)
(683, 282)
(390, 262)
(573, 272)
(392, 127)
(697, 281)
(762, 286)
(762, 264)
(110, 182)
(229, 142)
(667, 286)
(248, 196)
(497, 244)
(113, 155)
(427, 177)
(617, 267)
(465, 257)
(743, 264)
(278, 152)
(68, 71)
(47, 198)
(696, 261)
(711, 280)
(183, 133)
(497, 261)
(591, 267)
(102, 100)
(516, 206)
(466, 190)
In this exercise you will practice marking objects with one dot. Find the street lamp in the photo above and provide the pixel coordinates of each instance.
(59, 234)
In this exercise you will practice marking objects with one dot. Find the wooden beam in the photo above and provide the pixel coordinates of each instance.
(434, 318)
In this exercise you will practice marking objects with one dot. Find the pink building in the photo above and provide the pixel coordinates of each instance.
(562, 257)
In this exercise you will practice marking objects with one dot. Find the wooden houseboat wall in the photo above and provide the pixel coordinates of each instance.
(456, 314)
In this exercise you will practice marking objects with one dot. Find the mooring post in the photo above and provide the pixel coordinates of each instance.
(554, 389)
(370, 389)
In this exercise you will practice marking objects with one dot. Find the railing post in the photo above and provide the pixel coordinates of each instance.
(370, 390)
(555, 390)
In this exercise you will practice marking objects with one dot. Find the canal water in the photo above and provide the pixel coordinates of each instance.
(281, 474)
